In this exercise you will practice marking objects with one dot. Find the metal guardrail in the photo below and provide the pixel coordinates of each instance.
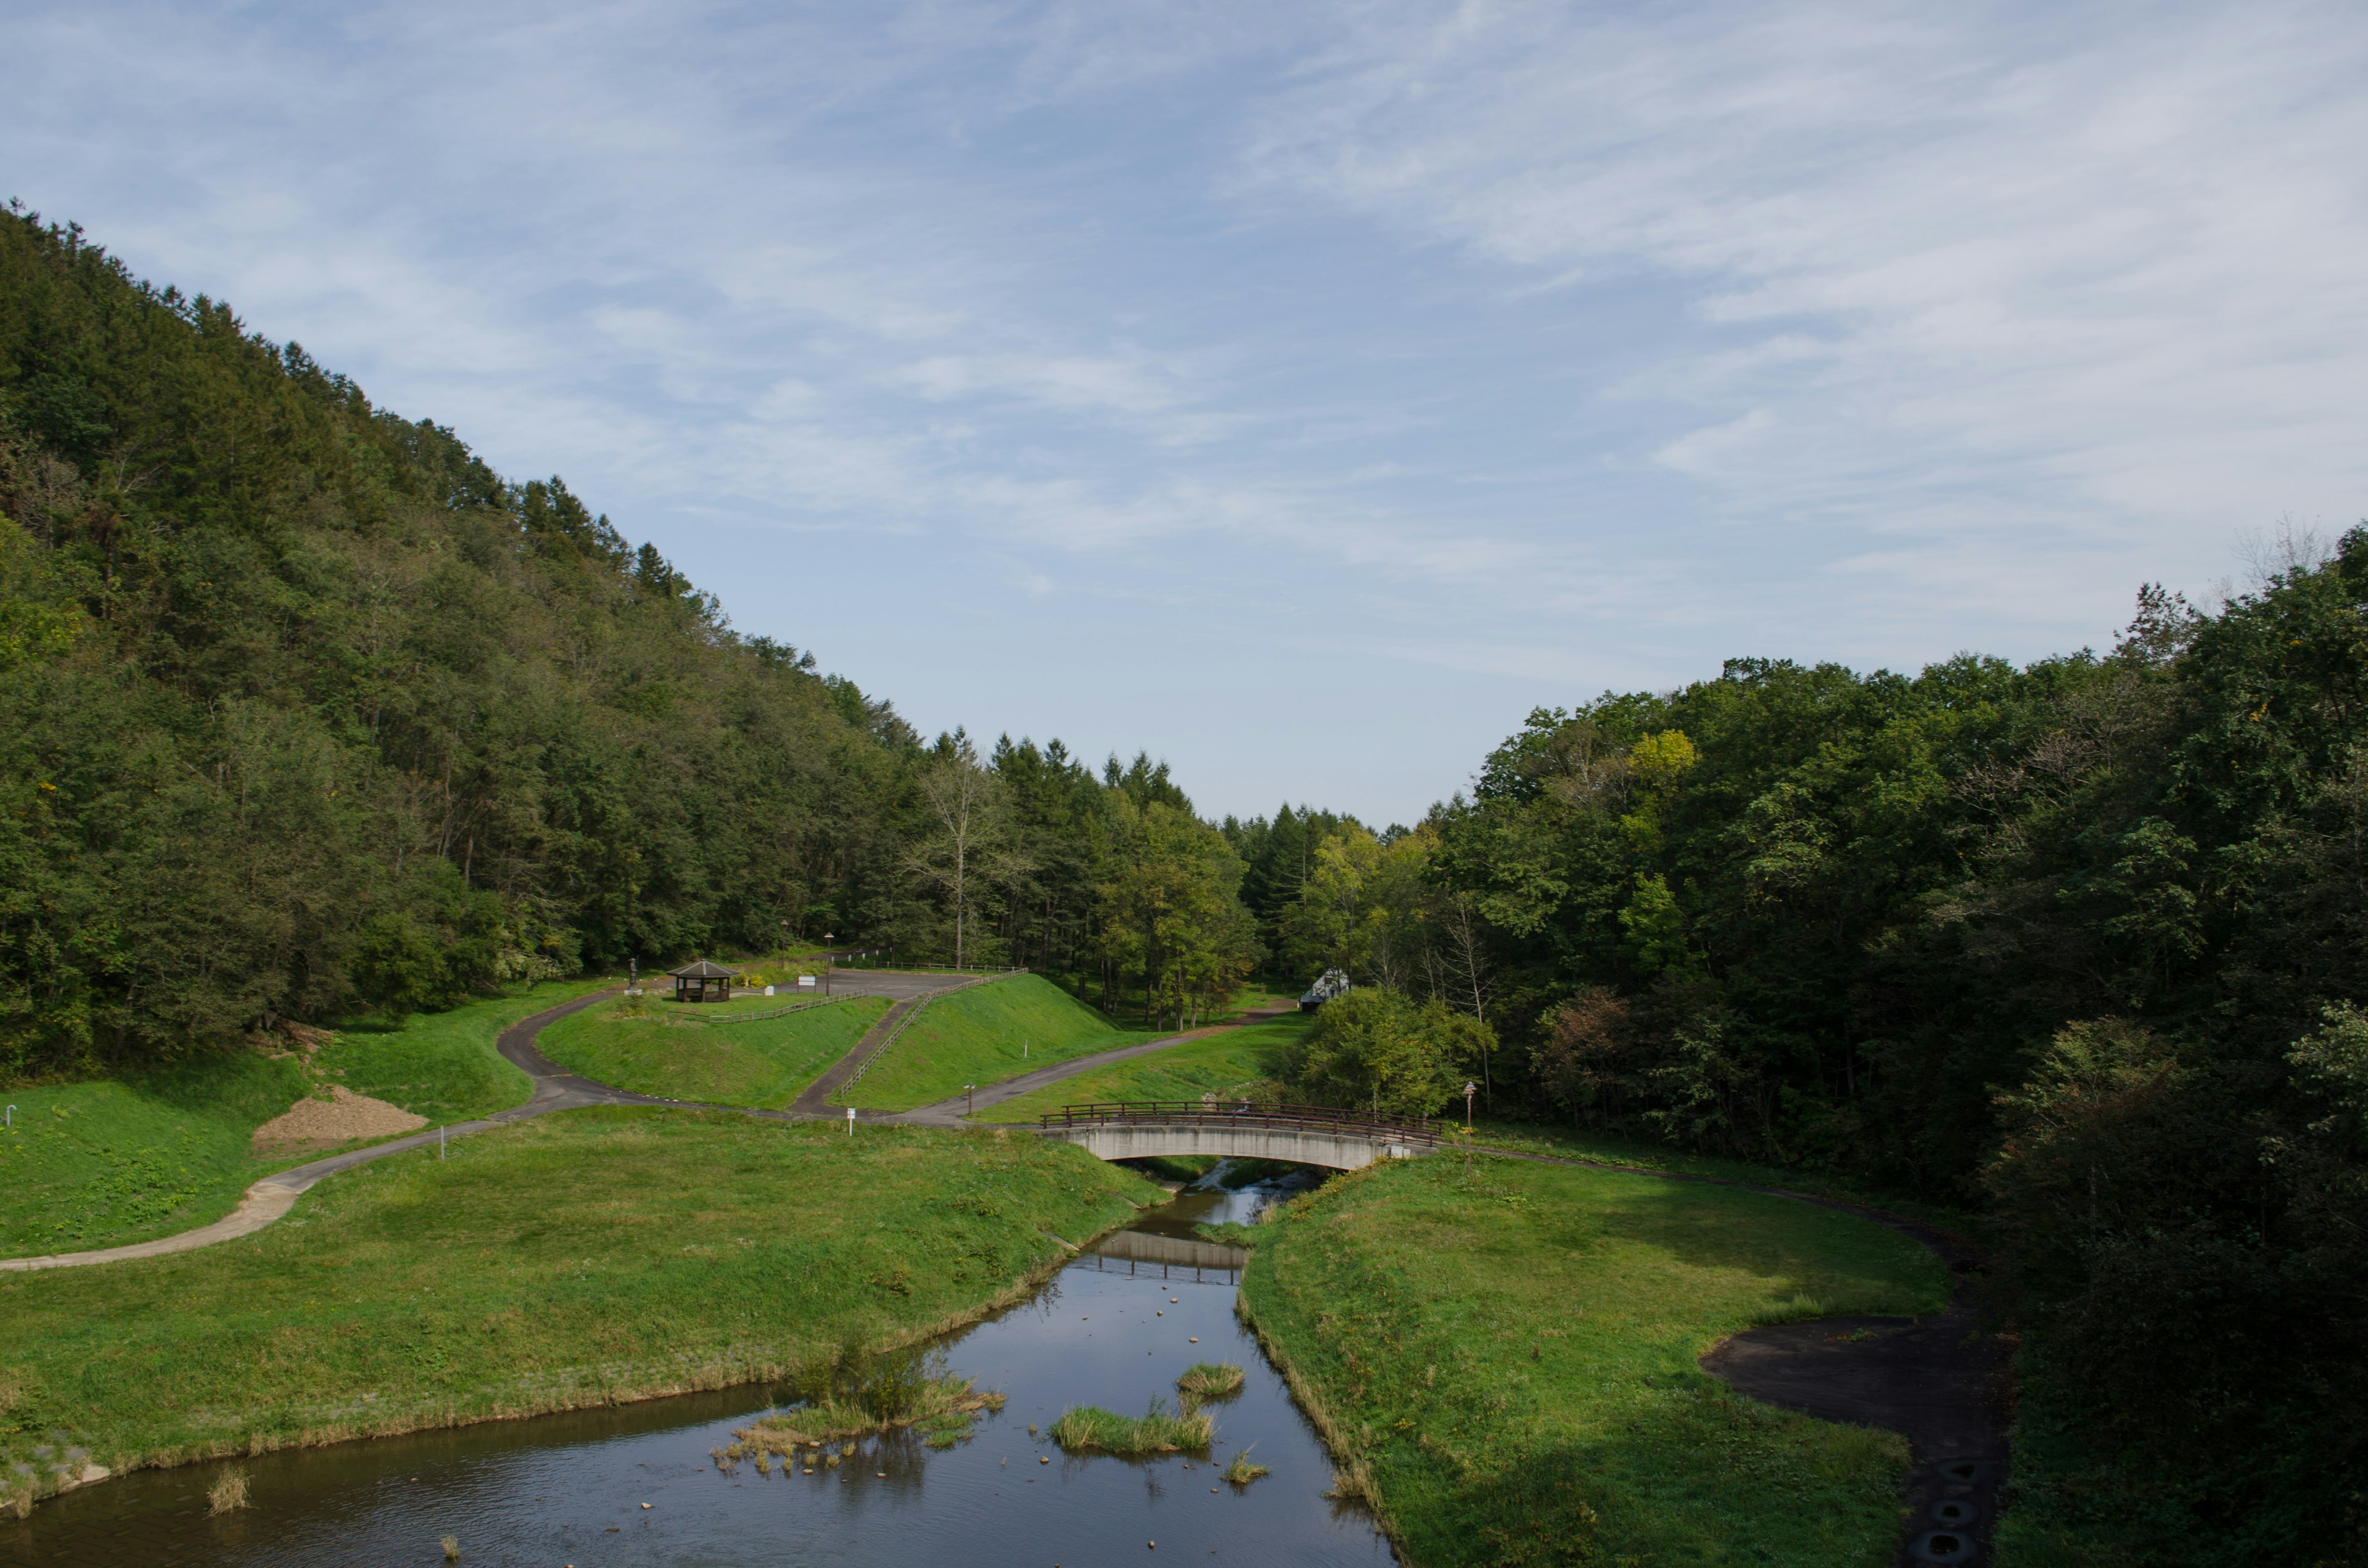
(1241, 1114)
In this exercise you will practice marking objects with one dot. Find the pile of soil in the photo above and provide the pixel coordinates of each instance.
(344, 1116)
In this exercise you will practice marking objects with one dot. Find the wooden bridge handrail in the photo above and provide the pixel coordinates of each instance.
(1327, 1118)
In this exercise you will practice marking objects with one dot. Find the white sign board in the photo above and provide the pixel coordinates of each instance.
(806, 982)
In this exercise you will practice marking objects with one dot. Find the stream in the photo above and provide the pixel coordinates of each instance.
(1114, 1328)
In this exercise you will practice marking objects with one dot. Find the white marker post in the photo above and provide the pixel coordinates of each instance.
(850, 1121)
(439, 1143)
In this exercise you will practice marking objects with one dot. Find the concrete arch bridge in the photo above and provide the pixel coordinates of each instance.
(1306, 1135)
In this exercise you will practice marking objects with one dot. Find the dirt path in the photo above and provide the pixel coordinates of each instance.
(555, 1088)
(950, 1111)
(1940, 1382)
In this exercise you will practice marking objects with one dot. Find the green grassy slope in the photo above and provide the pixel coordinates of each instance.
(603, 1254)
(974, 1036)
(1576, 1143)
(96, 1164)
(666, 1050)
(1220, 1063)
(1510, 1360)
(112, 1161)
(444, 1066)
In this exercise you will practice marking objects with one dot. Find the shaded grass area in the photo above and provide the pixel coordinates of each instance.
(444, 1066)
(119, 1160)
(586, 1257)
(1088, 1428)
(1572, 1144)
(2068, 1504)
(659, 1049)
(976, 1037)
(1231, 1063)
(1505, 1365)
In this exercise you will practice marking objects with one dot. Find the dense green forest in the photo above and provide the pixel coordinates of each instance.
(306, 710)
(2077, 945)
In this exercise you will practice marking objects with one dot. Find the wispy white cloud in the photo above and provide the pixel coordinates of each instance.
(2093, 265)
(1508, 350)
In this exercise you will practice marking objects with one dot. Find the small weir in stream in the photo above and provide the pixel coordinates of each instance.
(1114, 1328)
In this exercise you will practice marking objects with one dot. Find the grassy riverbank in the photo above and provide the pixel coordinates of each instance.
(985, 1035)
(731, 1054)
(117, 1160)
(1575, 1143)
(1506, 1363)
(588, 1257)
(1219, 1064)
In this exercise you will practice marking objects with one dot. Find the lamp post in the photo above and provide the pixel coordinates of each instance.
(827, 959)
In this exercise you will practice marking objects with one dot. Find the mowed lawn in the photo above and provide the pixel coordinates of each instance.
(116, 1160)
(984, 1035)
(1221, 1064)
(675, 1051)
(609, 1253)
(444, 1066)
(1511, 1359)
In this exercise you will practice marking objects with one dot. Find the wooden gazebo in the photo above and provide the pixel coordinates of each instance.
(692, 979)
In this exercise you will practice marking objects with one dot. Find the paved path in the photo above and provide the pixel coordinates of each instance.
(1940, 1382)
(953, 1108)
(555, 1088)
(912, 990)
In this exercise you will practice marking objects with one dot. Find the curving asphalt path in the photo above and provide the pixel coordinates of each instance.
(1940, 1382)
(950, 1111)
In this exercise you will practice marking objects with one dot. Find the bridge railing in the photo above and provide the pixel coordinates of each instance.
(1241, 1114)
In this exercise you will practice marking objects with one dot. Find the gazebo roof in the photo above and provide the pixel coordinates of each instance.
(703, 970)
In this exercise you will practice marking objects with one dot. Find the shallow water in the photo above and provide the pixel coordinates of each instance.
(570, 1489)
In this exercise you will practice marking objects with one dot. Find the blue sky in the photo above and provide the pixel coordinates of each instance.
(1301, 393)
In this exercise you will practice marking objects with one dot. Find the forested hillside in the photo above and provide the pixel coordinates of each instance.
(305, 710)
(2079, 944)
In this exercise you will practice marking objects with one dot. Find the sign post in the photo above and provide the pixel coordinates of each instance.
(1470, 1088)
(850, 1121)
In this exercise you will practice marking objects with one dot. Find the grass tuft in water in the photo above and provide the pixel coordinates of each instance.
(1156, 1431)
(1240, 1471)
(228, 1493)
(855, 1392)
(1206, 1380)
(451, 1546)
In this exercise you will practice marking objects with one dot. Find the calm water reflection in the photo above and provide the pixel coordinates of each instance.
(569, 1489)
